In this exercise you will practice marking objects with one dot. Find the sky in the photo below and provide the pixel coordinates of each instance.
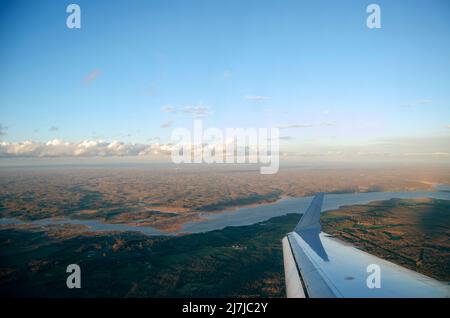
(137, 69)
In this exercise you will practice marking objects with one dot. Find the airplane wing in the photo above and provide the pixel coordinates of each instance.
(319, 265)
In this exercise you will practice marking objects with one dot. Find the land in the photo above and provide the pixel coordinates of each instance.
(243, 261)
(233, 262)
(413, 233)
(167, 197)
(236, 261)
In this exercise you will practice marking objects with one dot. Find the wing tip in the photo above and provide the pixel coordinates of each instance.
(311, 218)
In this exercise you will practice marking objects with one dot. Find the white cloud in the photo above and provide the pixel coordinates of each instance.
(87, 148)
(257, 98)
(167, 124)
(196, 111)
(190, 110)
(92, 76)
(168, 109)
(419, 102)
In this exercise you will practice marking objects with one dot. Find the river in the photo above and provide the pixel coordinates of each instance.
(246, 215)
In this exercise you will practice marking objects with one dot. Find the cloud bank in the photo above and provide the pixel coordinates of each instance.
(87, 148)
(386, 149)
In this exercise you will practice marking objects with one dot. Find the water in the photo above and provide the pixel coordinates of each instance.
(245, 215)
(93, 225)
(443, 187)
(252, 215)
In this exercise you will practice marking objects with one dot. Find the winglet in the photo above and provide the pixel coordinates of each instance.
(310, 219)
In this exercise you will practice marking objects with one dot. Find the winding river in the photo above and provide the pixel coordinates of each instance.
(247, 215)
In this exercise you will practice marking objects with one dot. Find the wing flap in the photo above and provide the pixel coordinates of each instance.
(294, 286)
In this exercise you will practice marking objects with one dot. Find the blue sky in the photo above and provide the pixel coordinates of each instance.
(314, 62)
